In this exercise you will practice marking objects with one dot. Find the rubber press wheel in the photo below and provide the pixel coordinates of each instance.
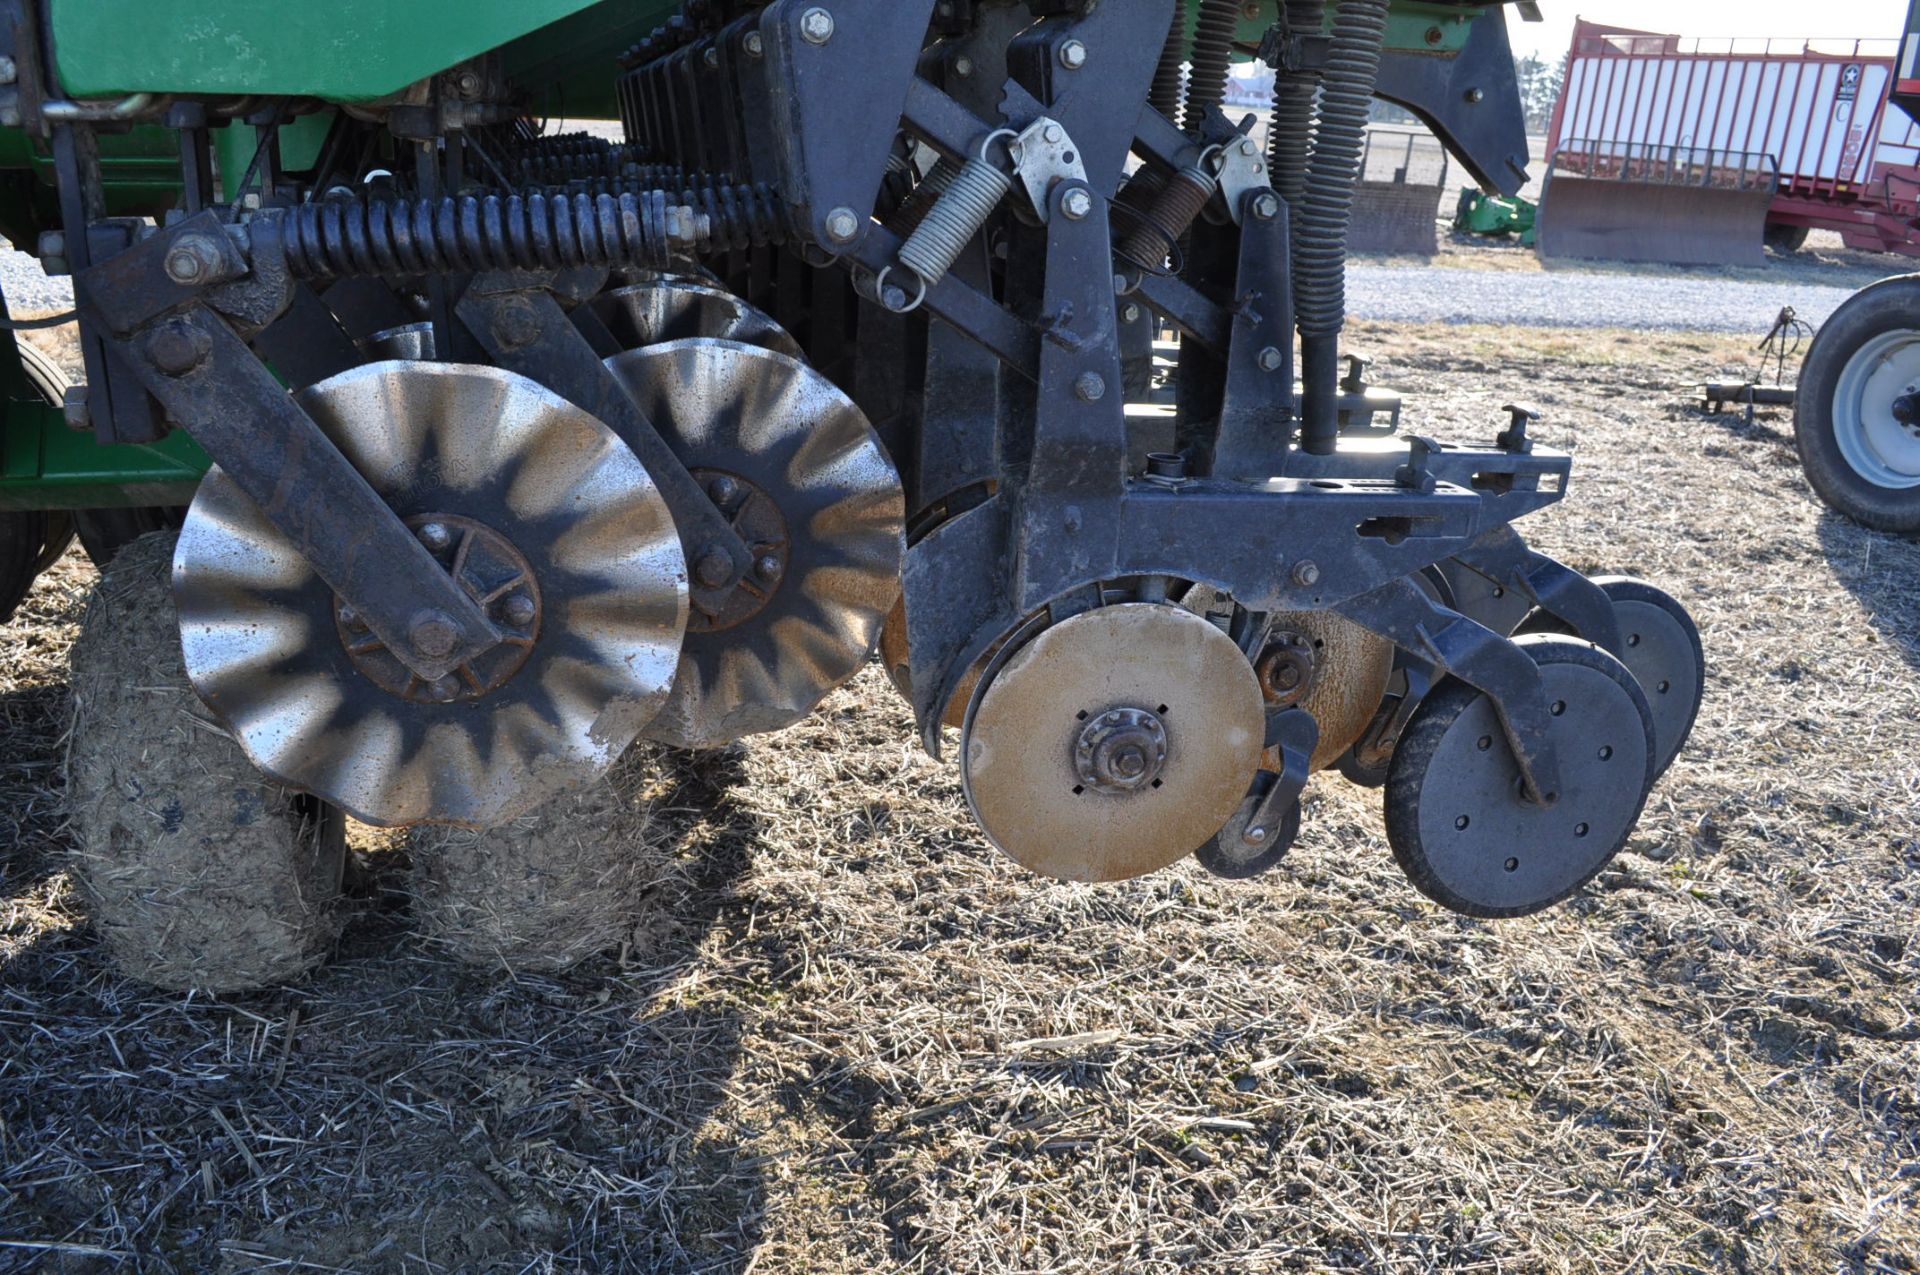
(199, 872)
(1858, 415)
(1457, 819)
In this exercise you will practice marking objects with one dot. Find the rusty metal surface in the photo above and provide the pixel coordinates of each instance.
(1022, 754)
(894, 657)
(1587, 218)
(676, 309)
(781, 427)
(1350, 671)
(264, 646)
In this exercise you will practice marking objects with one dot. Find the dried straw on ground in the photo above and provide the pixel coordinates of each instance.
(874, 1044)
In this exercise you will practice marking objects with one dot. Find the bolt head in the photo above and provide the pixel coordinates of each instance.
(444, 690)
(714, 569)
(517, 326)
(520, 609)
(435, 535)
(1131, 314)
(351, 620)
(722, 490)
(816, 25)
(1247, 147)
(1306, 574)
(1077, 204)
(192, 261)
(963, 66)
(755, 44)
(434, 634)
(1266, 206)
(1257, 836)
(9, 71)
(1053, 133)
(1271, 359)
(1073, 55)
(843, 224)
(1090, 388)
(768, 567)
(712, 56)
(178, 347)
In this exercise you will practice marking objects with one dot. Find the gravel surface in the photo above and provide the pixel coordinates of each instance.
(1580, 300)
(28, 289)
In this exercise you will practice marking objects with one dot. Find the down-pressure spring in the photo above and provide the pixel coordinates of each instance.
(956, 217)
(1156, 233)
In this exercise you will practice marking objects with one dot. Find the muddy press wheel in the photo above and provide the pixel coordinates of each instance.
(544, 517)
(1457, 820)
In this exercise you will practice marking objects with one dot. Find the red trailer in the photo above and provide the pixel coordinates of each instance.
(1703, 151)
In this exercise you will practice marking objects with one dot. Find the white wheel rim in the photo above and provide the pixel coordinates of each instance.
(1876, 446)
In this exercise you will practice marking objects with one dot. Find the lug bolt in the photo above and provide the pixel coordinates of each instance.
(816, 25)
(435, 536)
(1271, 359)
(520, 609)
(722, 490)
(1306, 574)
(1077, 204)
(768, 567)
(1073, 55)
(444, 690)
(842, 225)
(434, 634)
(1090, 388)
(715, 568)
(350, 620)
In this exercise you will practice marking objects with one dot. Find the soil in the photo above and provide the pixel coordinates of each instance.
(872, 1042)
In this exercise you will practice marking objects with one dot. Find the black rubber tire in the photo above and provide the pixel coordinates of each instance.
(1888, 306)
(199, 872)
(1787, 240)
(584, 874)
(23, 536)
(105, 532)
(1429, 730)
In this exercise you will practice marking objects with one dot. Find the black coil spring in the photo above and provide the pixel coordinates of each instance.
(1326, 209)
(736, 217)
(398, 238)
(1157, 230)
(1164, 96)
(1296, 99)
(1212, 59)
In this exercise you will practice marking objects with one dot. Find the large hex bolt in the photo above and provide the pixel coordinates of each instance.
(177, 347)
(1286, 670)
(193, 260)
(1122, 750)
(816, 26)
(434, 634)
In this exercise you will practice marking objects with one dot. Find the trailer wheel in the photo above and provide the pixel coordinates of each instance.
(200, 873)
(1858, 418)
(581, 875)
(1785, 239)
(32, 540)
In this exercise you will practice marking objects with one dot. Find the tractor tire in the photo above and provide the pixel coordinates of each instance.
(584, 874)
(200, 873)
(1786, 240)
(30, 540)
(1857, 456)
(105, 532)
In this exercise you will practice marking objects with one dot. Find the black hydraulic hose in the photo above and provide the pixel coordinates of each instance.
(1324, 215)
(1212, 61)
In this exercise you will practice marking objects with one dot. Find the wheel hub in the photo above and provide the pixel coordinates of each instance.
(1122, 750)
(495, 575)
(757, 518)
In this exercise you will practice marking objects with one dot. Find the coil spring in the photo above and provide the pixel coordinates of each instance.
(735, 217)
(920, 200)
(1160, 227)
(613, 163)
(1295, 96)
(1326, 208)
(338, 238)
(956, 217)
(1212, 59)
(1164, 96)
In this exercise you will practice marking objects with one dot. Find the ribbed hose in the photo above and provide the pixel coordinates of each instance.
(1164, 96)
(1212, 60)
(1324, 215)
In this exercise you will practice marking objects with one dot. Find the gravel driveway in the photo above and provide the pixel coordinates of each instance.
(1580, 300)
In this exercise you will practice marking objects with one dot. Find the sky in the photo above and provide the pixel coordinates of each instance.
(1849, 19)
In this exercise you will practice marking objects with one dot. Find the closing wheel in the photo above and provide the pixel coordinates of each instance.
(1459, 825)
(795, 466)
(1114, 743)
(1857, 417)
(544, 517)
(1662, 648)
(675, 309)
(1232, 856)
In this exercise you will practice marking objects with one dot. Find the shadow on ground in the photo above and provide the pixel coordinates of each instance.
(395, 1112)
